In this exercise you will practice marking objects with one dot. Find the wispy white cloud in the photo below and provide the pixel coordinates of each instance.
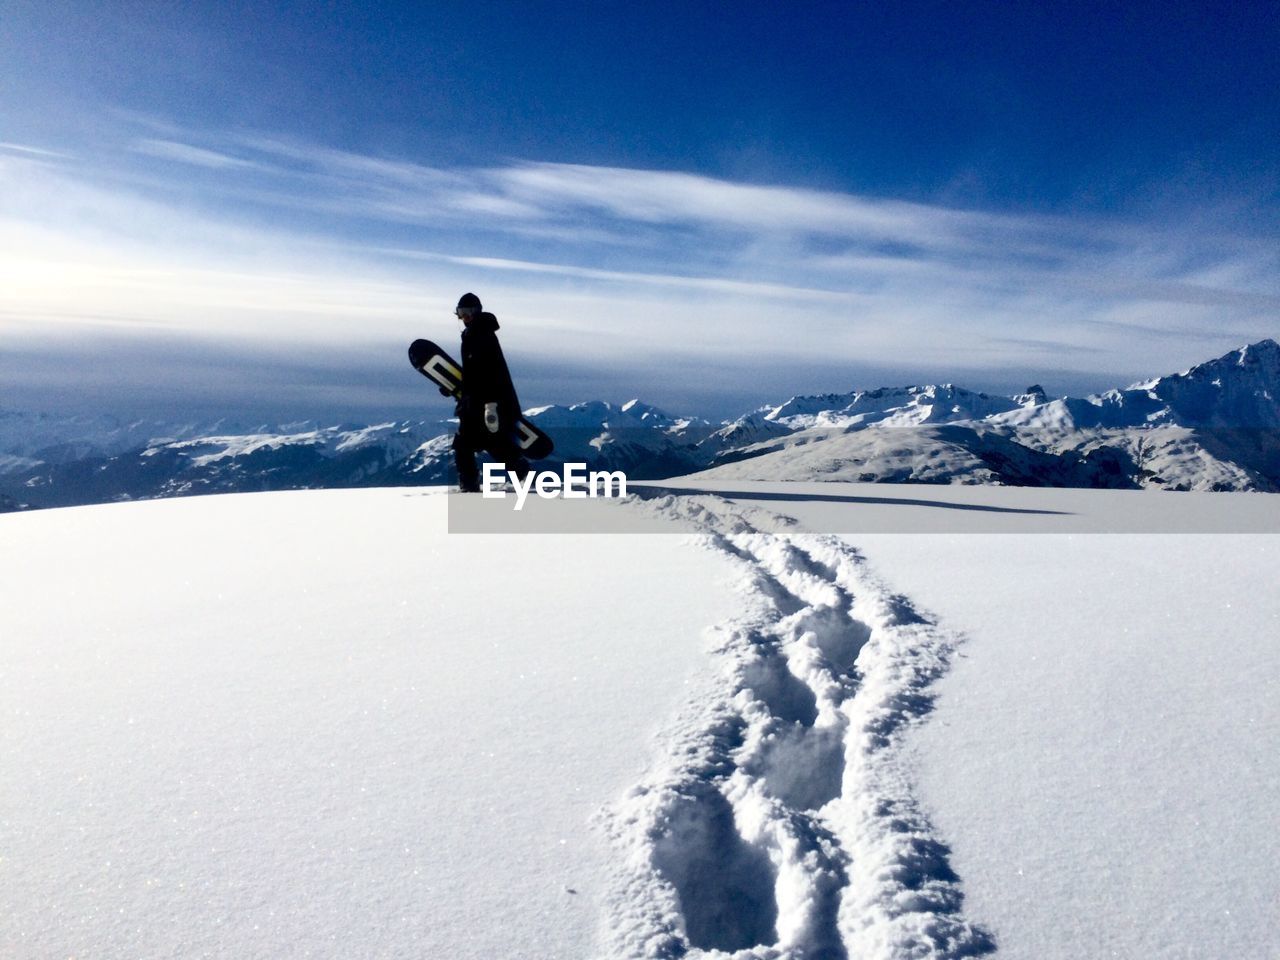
(553, 192)
(736, 223)
(618, 266)
(661, 197)
(378, 172)
(23, 149)
(745, 288)
(186, 153)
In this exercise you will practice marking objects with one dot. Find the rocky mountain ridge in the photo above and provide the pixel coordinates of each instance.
(1215, 426)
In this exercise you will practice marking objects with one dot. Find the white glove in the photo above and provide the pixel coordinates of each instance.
(491, 417)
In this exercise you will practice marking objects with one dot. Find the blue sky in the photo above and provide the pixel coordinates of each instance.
(256, 206)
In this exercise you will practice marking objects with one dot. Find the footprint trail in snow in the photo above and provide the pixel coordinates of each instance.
(780, 820)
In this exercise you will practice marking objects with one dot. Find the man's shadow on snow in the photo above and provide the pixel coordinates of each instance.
(662, 490)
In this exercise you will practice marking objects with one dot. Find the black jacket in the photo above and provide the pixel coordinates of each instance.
(485, 377)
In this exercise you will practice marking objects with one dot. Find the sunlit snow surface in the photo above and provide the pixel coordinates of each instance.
(1103, 762)
(316, 724)
(312, 724)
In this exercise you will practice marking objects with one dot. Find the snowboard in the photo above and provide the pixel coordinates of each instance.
(438, 367)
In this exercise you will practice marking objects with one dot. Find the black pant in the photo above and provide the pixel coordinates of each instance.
(472, 439)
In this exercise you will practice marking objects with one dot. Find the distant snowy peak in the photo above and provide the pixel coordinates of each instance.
(806, 406)
(40, 438)
(634, 420)
(396, 441)
(753, 428)
(646, 412)
(1256, 360)
(897, 406)
(1239, 390)
(590, 413)
(686, 428)
(1220, 430)
(1031, 397)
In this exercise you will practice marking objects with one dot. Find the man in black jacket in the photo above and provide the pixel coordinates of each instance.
(488, 407)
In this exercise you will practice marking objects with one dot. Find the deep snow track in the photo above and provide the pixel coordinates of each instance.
(781, 821)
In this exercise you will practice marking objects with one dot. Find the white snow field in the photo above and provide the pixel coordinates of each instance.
(1104, 760)
(312, 724)
(317, 724)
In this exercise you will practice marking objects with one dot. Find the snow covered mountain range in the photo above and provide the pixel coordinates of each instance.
(317, 724)
(1215, 426)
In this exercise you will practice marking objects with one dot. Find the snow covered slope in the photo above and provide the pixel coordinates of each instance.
(315, 723)
(42, 438)
(1213, 427)
(893, 407)
(1234, 391)
(925, 454)
(291, 456)
(1102, 763)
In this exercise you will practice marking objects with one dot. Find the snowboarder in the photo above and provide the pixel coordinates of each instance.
(487, 408)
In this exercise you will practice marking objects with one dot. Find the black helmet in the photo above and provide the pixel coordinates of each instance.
(468, 304)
